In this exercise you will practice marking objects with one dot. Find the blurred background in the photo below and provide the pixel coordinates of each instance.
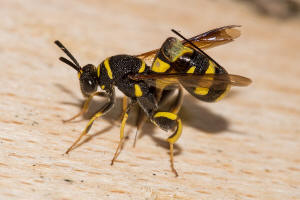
(244, 147)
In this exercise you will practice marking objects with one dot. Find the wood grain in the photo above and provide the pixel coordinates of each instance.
(244, 147)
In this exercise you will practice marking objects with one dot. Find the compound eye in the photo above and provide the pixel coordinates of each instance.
(88, 85)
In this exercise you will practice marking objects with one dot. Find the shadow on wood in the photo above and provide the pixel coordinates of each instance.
(192, 114)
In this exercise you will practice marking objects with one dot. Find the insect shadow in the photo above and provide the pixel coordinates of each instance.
(192, 113)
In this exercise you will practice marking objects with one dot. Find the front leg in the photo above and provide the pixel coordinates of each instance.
(86, 105)
(102, 111)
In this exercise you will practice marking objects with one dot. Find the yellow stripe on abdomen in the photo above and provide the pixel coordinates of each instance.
(201, 91)
(191, 70)
(210, 70)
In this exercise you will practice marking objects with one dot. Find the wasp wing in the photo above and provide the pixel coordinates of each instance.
(211, 81)
(149, 56)
(215, 37)
(209, 39)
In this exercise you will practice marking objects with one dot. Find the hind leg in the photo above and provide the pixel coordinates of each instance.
(168, 121)
(175, 108)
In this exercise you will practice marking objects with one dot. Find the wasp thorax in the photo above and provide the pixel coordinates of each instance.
(88, 79)
(171, 48)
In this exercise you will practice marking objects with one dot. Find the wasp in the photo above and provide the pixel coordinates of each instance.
(145, 78)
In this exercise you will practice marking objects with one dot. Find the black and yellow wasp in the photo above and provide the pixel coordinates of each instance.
(145, 78)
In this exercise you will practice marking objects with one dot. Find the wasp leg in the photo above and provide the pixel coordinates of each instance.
(141, 119)
(164, 120)
(86, 105)
(124, 106)
(121, 142)
(175, 136)
(167, 121)
(102, 111)
(161, 97)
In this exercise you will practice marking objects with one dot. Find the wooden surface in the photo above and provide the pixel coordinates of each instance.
(244, 147)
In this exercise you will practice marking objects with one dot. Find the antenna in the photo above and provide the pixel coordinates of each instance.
(73, 64)
(64, 60)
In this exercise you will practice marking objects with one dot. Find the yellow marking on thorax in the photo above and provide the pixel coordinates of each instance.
(168, 115)
(98, 71)
(160, 66)
(184, 50)
(142, 69)
(191, 70)
(137, 90)
(108, 69)
(102, 87)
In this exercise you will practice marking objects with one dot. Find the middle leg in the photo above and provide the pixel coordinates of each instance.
(103, 110)
(122, 138)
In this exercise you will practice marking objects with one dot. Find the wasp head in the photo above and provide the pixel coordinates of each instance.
(87, 74)
(88, 79)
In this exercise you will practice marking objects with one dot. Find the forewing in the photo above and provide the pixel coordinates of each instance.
(215, 37)
(209, 39)
(148, 57)
(211, 81)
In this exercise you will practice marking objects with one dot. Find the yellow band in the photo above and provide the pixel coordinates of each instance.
(191, 70)
(201, 91)
(173, 138)
(98, 71)
(137, 90)
(142, 69)
(107, 67)
(160, 66)
(168, 115)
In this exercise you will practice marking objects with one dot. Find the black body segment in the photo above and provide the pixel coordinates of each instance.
(114, 71)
